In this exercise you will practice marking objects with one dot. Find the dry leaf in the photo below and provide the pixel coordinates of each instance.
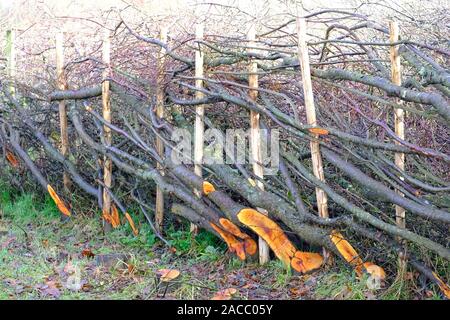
(167, 275)
(51, 290)
(87, 253)
(225, 294)
(12, 159)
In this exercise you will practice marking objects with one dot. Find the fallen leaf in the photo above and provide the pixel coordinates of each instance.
(299, 291)
(86, 287)
(87, 253)
(50, 288)
(12, 159)
(131, 268)
(225, 294)
(167, 275)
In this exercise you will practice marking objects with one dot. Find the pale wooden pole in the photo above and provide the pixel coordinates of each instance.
(199, 112)
(61, 83)
(255, 137)
(399, 117)
(159, 212)
(399, 123)
(321, 196)
(11, 56)
(106, 105)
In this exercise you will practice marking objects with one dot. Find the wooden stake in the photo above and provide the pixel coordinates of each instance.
(399, 118)
(322, 200)
(11, 56)
(61, 83)
(159, 213)
(106, 104)
(255, 138)
(199, 113)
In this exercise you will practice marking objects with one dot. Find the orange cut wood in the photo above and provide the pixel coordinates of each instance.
(115, 219)
(208, 187)
(131, 222)
(319, 131)
(267, 229)
(347, 251)
(234, 245)
(107, 217)
(249, 244)
(232, 228)
(306, 261)
(12, 159)
(442, 285)
(374, 270)
(59, 203)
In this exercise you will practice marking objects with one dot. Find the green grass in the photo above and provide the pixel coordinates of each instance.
(41, 245)
(36, 245)
(343, 285)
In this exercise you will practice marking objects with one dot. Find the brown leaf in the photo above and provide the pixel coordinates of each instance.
(131, 268)
(12, 159)
(167, 275)
(173, 249)
(225, 294)
(87, 253)
(50, 288)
